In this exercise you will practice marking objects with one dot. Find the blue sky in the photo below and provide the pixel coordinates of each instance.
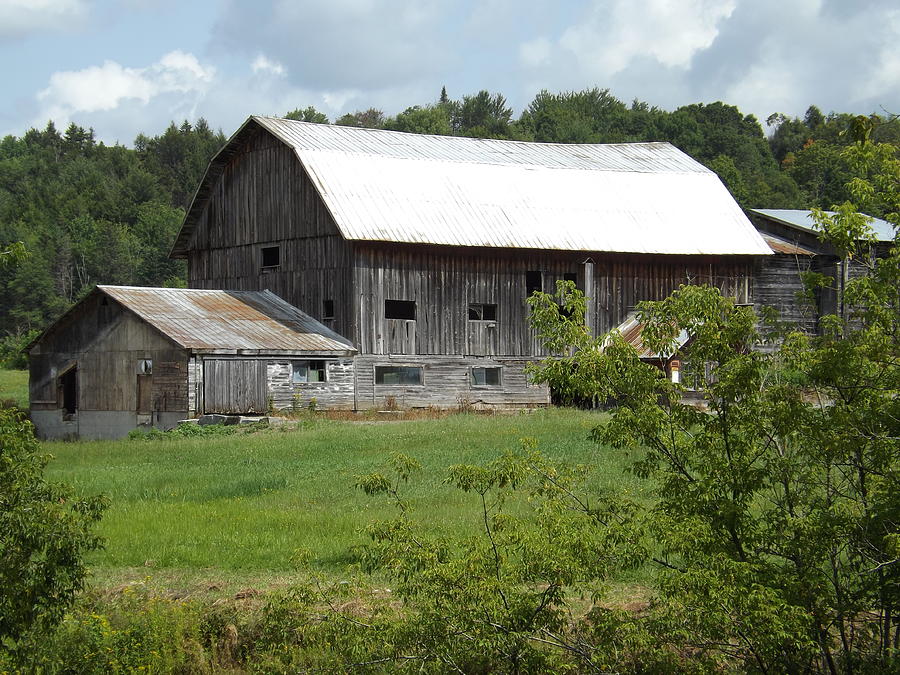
(131, 66)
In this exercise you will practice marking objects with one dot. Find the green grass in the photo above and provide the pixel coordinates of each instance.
(14, 386)
(240, 506)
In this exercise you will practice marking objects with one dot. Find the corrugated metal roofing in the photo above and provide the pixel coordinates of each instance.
(802, 219)
(228, 320)
(779, 245)
(632, 330)
(418, 189)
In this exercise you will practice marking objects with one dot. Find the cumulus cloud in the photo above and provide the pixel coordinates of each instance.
(263, 64)
(20, 18)
(615, 33)
(109, 86)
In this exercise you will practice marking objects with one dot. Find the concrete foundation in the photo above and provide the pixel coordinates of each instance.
(99, 424)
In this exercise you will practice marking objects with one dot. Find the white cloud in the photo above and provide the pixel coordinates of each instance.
(263, 64)
(107, 87)
(535, 52)
(617, 32)
(19, 18)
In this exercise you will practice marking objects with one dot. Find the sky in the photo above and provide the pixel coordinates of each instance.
(125, 67)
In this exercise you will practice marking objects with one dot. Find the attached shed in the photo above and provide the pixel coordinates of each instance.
(128, 357)
(798, 248)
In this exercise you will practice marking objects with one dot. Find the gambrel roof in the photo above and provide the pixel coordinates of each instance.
(443, 190)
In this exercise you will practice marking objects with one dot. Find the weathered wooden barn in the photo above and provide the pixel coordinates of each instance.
(421, 250)
(127, 357)
(797, 248)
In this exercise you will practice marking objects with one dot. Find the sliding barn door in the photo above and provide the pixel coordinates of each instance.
(234, 386)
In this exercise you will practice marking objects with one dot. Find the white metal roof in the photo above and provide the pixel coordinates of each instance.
(418, 189)
(802, 219)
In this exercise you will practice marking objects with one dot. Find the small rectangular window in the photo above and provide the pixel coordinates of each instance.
(398, 375)
(571, 276)
(534, 281)
(481, 312)
(489, 377)
(328, 309)
(308, 371)
(271, 256)
(400, 309)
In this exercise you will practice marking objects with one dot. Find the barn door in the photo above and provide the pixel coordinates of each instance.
(234, 386)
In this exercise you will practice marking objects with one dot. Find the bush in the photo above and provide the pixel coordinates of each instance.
(44, 531)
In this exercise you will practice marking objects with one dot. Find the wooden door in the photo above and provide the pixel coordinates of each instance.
(234, 386)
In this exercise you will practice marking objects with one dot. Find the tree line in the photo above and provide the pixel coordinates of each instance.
(92, 213)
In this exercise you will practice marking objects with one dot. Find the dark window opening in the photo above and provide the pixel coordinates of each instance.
(328, 309)
(68, 384)
(534, 281)
(489, 377)
(104, 301)
(400, 309)
(481, 312)
(571, 276)
(398, 375)
(271, 256)
(308, 371)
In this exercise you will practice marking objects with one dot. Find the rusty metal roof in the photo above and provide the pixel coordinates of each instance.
(411, 188)
(779, 245)
(228, 320)
(802, 219)
(632, 331)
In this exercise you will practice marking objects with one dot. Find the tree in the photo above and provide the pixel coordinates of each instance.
(307, 114)
(44, 532)
(367, 119)
(777, 515)
(422, 120)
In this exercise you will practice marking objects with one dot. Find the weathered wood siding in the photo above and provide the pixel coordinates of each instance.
(333, 394)
(447, 383)
(234, 386)
(106, 344)
(265, 198)
(778, 284)
(443, 282)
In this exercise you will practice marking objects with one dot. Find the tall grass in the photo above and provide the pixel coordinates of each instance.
(246, 504)
(14, 387)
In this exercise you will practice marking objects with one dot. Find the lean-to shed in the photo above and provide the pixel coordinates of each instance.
(129, 357)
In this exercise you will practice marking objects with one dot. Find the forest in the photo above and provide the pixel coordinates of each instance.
(91, 213)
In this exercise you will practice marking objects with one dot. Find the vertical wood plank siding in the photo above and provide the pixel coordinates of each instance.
(442, 283)
(265, 198)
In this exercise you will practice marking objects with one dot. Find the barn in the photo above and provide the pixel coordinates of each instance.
(128, 357)
(797, 248)
(421, 250)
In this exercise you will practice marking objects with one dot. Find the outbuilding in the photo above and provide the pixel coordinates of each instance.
(129, 357)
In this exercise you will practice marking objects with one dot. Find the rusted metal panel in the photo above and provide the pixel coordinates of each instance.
(779, 245)
(234, 320)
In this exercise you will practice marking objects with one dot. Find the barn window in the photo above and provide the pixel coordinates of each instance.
(328, 309)
(486, 376)
(571, 276)
(534, 281)
(398, 375)
(271, 256)
(308, 371)
(481, 312)
(400, 309)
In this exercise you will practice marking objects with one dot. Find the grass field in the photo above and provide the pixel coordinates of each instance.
(238, 507)
(14, 386)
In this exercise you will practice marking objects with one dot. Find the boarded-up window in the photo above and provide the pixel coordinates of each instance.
(486, 377)
(404, 375)
(144, 393)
